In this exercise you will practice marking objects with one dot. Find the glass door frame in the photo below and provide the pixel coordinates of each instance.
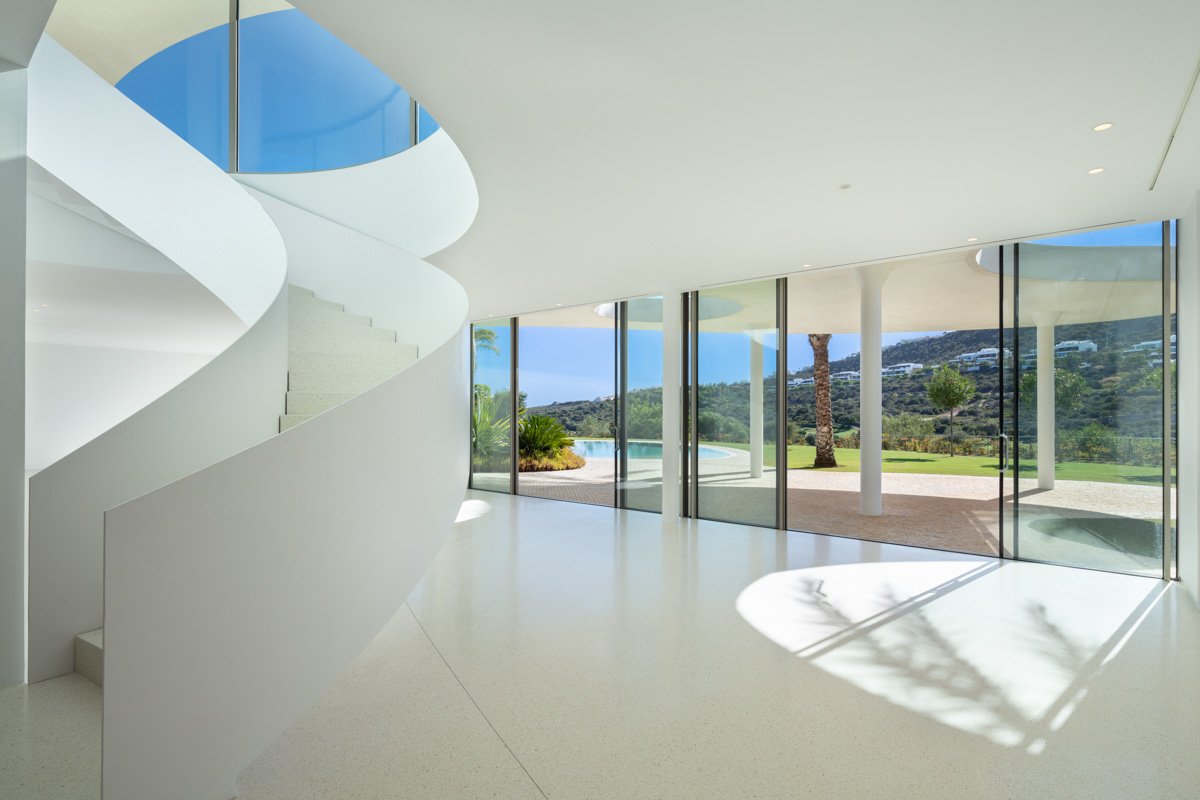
(1010, 269)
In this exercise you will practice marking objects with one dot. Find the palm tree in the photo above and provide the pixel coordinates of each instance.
(485, 339)
(824, 439)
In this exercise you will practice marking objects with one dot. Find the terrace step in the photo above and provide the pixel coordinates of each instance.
(89, 655)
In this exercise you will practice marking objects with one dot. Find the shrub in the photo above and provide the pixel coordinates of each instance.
(542, 437)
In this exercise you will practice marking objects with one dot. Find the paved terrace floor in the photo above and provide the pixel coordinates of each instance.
(944, 512)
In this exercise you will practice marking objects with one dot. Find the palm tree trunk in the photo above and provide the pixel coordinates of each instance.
(821, 387)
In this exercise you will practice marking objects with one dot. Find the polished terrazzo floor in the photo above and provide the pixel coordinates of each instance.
(565, 651)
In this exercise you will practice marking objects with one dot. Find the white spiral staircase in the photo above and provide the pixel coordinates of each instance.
(235, 571)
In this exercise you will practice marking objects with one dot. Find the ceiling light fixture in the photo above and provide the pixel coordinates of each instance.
(972, 238)
(806, 266)
(1095, 170)
(1103, 126)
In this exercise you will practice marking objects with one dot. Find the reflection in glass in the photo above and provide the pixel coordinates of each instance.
(640, 484)
(306, 101)
(567, 428)
(737, 358)
(940, 461)
(491, 406)
(1090, 436)
(186, 88)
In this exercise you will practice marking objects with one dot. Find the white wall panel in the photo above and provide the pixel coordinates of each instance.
(235, 596)
(421, 200)
(91, 138)
(12, 375)
(77, 393)
(369, 277)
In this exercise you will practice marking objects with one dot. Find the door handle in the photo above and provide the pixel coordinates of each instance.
(1003, 453)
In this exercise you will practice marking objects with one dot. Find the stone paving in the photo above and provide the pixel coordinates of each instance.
(948, 512)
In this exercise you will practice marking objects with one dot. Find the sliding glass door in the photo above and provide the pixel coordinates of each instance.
(736, 340)
(568, 404)
(1091, 399)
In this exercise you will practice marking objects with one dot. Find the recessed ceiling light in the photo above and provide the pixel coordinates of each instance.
(806, 266)
(972, 238)
(1103, 126)
(1095, 170)
(558, 304)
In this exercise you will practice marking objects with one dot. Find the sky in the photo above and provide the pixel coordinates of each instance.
(563, 364)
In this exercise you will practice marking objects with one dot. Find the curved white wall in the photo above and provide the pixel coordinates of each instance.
(420, 200)
(393, 287)
(104, 147)
(234, 597)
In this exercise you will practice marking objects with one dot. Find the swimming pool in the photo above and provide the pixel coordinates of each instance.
(604, 448)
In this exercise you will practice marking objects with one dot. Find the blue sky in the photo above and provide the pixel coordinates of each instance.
(562, 364)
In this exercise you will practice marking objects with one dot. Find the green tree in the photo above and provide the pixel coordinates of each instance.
(1069, 391)
(950, 390)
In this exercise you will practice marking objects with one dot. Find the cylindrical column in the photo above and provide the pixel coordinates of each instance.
(870, 390)
(756, 406)
(672, 398)
(1045, 404)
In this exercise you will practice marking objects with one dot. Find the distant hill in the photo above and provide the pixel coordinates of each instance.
(933, 350)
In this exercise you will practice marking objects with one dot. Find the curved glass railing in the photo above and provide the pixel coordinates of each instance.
(303, 101)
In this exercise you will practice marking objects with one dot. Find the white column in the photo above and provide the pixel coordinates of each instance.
(672, 397)
(12, 374)
(1045, 401)
(756, 406)
(870, 390)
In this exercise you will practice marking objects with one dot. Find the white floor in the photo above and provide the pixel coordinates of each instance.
(567, 651)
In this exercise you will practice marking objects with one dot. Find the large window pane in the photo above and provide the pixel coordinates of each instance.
(185, 86)
(1091, 400)
(567, 379)
(491, 406)
(736, 373)
(940, 462)
(306, 101)
(641, 469)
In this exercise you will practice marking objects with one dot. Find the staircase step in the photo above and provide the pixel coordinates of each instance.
(292, 420)
(337, 380)
(315, 402)
(298, 291)
(299, 302)
(305, 336)
(383, 364)
(353, 347)
(320, 316)
(89, 655)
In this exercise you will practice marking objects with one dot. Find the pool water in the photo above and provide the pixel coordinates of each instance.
(605, 448)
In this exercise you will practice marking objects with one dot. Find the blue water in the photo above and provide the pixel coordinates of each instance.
(604, 448)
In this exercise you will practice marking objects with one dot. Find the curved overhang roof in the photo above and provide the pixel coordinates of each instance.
(626, 148)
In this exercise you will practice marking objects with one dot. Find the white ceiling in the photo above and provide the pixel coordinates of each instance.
(625, 148)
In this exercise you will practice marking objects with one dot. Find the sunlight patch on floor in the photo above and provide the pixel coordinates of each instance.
(1000, 650)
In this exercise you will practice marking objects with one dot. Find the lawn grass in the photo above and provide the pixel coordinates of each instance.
(901, 461)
